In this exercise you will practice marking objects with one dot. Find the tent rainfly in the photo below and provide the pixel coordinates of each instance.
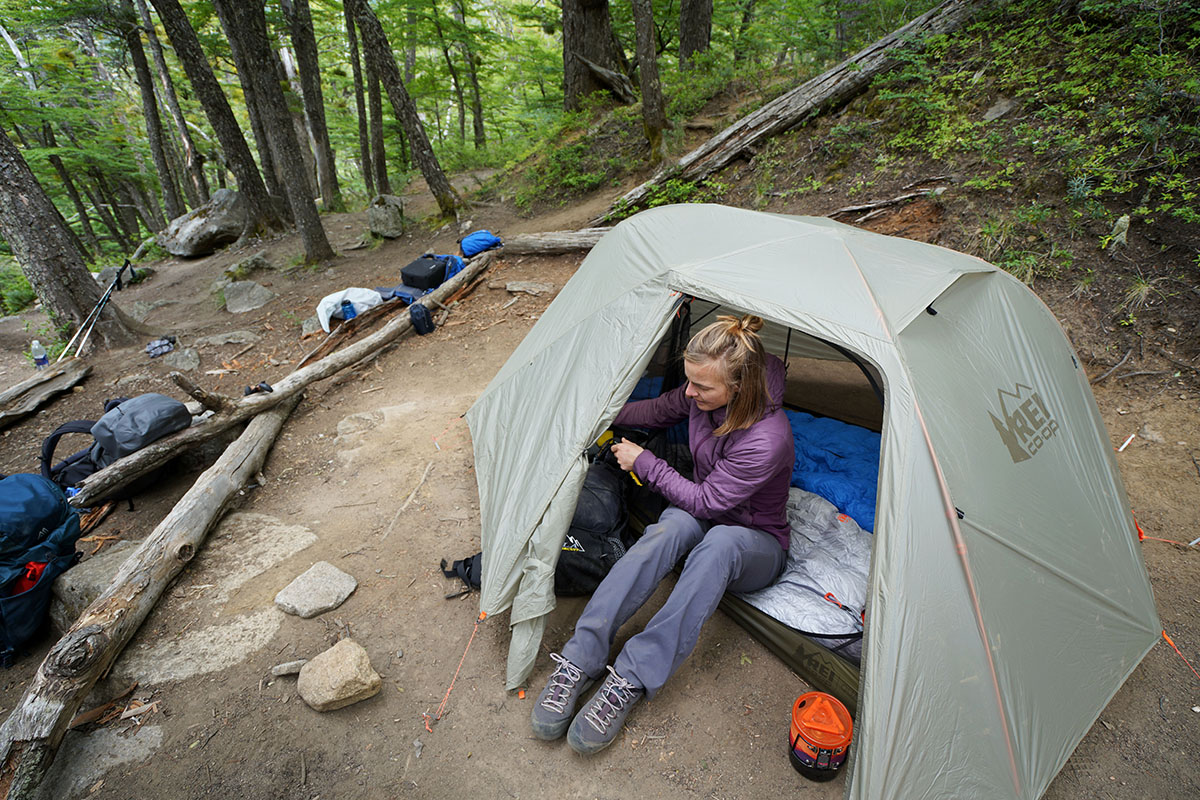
(1007, 599)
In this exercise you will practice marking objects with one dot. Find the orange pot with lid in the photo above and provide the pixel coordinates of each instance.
(820, 735)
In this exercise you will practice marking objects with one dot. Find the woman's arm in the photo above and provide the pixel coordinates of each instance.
(734, 478)
(657, 412)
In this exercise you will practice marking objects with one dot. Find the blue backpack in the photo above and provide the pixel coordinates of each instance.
(475, 243)
(37, 544)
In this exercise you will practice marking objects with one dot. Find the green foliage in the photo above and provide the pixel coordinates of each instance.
(15, 291)
(673, 191)
(1107, 96)
(1019, 244)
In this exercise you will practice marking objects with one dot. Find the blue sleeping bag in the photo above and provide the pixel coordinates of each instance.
(839, 462)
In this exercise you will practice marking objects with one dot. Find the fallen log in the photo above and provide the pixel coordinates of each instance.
(553, 242)
(30, 736)
(833, 88)
(100, 485)
(878, 206)
(618, 83)
(210, 400)
(21, 400)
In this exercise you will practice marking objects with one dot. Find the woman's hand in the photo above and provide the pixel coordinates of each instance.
(626, 453)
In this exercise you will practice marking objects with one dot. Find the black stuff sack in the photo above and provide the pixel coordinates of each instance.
(425, 272)
(421, 321)
(128, 425)
(38, 531)
(593, 542)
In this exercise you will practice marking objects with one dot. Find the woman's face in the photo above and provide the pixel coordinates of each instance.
(706, 385)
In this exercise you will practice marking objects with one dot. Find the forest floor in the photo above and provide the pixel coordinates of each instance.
(358, 445)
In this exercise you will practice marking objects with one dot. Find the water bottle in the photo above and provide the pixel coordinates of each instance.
(348, 312)
(40, 359)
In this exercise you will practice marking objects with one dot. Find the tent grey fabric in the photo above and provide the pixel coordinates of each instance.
(1007, 600)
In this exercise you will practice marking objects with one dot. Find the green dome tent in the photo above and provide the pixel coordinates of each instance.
(1007, 599)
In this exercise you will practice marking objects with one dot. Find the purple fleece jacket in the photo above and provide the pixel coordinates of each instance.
(741, 478)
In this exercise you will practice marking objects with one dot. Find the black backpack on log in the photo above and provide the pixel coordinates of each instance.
(127, 426)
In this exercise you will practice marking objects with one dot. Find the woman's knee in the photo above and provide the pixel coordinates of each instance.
(721, 541)
(672, 530)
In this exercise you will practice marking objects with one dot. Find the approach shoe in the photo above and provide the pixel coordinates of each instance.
(599, 721)
(555, 706)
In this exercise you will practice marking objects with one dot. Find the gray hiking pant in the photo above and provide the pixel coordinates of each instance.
(719, 557)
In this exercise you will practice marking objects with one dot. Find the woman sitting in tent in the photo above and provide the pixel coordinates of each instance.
(731, 522)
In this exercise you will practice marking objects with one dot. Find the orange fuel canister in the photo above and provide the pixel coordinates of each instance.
(820, 735)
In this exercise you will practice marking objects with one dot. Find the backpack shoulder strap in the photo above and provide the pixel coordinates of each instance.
(51, 441)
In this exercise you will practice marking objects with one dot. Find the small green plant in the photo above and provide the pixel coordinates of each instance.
(766, 165)
(15, 291)
(1140, 293)
(846, 138)
(1079, 188)
(1083, 286)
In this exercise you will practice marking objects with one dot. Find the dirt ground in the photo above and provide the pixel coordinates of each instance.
(354, 450)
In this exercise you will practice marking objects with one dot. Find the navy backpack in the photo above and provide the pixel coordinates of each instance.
(37, 544)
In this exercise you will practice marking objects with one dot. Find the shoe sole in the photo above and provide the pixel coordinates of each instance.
(550, 732)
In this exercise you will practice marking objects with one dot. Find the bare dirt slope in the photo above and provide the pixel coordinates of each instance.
(355, 449)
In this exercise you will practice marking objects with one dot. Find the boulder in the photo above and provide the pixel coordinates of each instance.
(310, 326)
(338, 677)
(243, 269)
(242, 296)
(321, 588)
(184, 359)
(385, 216)
(78, 587)
(208, 228)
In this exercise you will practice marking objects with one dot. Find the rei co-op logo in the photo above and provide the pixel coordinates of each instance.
(1025, 423)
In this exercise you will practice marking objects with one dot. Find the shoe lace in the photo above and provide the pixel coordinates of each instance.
(610, 700)
(562, 683)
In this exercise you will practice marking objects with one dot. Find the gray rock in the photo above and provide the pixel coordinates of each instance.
(340, 676)
(385, 216)
(243, 269)
(999, 109)
(74, 590)
(242, 296)
(229, 337)
(128, 379)
(183, 359)
(140, 309)
(321, 588)
(288, 668)
(1150, 435)
(310, 325)
(208, 228)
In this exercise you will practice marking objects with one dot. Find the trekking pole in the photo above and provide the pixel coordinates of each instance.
(90, 321)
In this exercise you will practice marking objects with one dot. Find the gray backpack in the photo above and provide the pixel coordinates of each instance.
(128, 425)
